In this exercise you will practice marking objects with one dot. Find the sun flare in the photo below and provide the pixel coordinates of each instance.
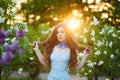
(73, 24)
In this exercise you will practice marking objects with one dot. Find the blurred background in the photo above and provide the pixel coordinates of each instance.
(94, 22)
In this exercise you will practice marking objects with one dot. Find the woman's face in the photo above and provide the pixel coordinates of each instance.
(61, 36)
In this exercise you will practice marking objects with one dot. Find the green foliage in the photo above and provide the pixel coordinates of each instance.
(104, 60)
(24, 78)
(18, 58)
(47, 10)
(103, 37)
(39, 33)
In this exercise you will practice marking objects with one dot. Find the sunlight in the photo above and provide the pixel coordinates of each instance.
(104, 15)
(55, 19)
(73, 24)
(90, 1)
(75, 12)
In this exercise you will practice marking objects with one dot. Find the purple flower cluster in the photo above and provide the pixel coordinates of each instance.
(13, 47)
(3, 35)
(7, 56)
(20, 33)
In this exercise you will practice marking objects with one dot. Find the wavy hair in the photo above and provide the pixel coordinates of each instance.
(52, 41)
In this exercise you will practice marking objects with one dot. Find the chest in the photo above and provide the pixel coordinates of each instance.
(60, 55)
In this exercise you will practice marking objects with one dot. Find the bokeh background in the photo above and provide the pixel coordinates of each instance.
(94, 22)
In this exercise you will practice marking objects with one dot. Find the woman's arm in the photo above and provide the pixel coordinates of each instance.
(39, 54)
(81, 63)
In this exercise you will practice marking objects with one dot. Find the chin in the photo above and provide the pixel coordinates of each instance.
(60, 40)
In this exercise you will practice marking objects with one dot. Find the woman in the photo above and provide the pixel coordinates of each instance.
(61, 52)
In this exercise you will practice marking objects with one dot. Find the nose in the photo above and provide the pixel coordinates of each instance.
(59, 34)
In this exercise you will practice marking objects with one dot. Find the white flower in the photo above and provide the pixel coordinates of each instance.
(12, 14)
(16, 27)
(100, 63)
(91, 64)
(105, 52)
(45, 32)
(89, 61)
(1, 10)
(77, 73)
(86, 73)
(95, 21)
(102, 31)
(5, 43)
(13, 39)
(118, 30)
(85, 30)
(94, 63)
(118, 37)
(7, 39)
(31, 58)
(2, 19)
(84, 40)
(112, 27)
(107, 79)
(110, 31)
(114, 35)
(24, 24)
(90, 71)
(92, 33)
(26, 29)
(93, 38)
(110, 44)
(97, 53)
(95, 48)
(80, 54)
(111, 56)
(8, 11)
(20, 70)
(106, 43)
(15, 2)
(100, 43)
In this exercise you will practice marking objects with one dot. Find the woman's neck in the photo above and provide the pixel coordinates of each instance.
(62, 45)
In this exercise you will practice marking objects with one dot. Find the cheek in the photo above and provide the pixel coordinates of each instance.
(64, 36)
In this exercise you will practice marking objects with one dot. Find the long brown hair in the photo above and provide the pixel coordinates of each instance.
(52, 41)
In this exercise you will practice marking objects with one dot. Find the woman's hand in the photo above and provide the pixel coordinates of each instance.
(88, 50)
(35, 45)
(81, 62)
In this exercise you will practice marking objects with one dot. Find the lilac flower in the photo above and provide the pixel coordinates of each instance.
(3, 62)
(2, 40)
(20, 33)
(20, 51)
(15, 45)
(12, 47)
(6, 58)
(3, 34)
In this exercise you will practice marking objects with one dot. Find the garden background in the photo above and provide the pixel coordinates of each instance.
(94, 22)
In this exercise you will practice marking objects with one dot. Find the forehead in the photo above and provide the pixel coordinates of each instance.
(60, 29)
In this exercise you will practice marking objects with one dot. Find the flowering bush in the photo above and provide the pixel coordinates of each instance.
(10, 46)
(15, 46)
(105, 58)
